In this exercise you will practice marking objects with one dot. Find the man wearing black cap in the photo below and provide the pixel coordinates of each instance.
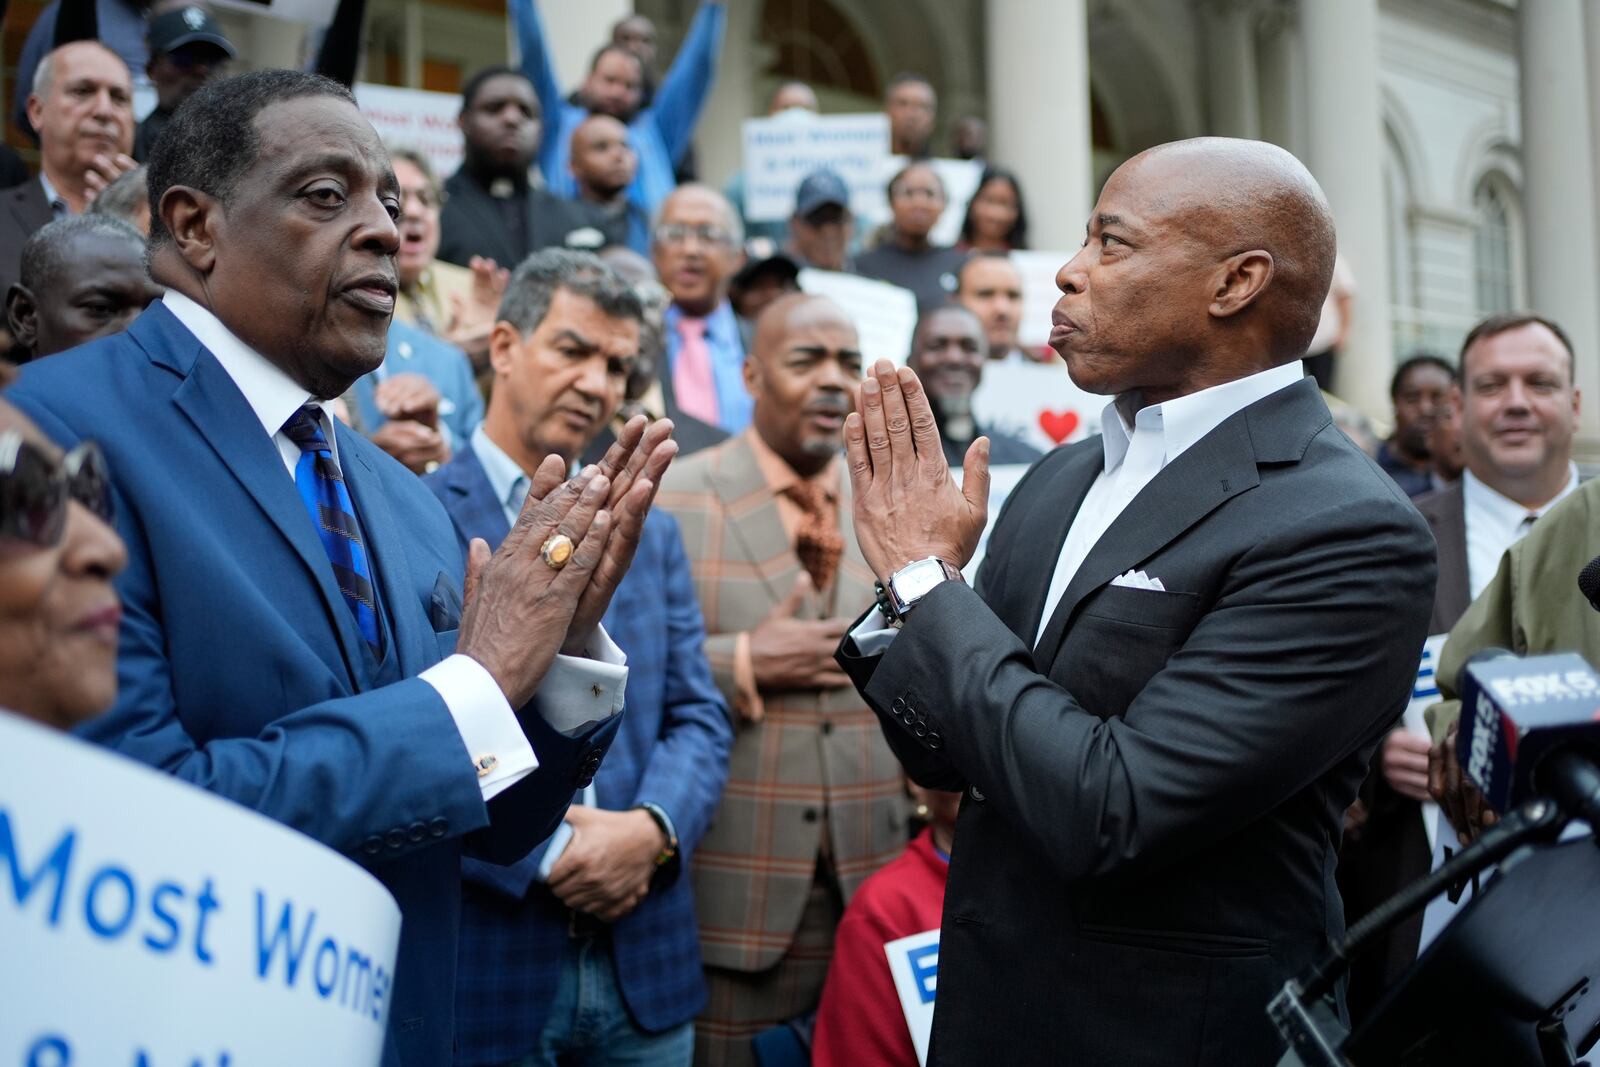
(822, 226)
(187, 49)
(765, 276)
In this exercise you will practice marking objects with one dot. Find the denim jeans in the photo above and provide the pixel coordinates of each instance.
(589, 1025)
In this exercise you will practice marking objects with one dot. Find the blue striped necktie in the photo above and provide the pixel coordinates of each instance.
(323, 491)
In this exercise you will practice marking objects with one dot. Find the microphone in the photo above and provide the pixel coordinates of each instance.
(1589, 582)
(1530, 726)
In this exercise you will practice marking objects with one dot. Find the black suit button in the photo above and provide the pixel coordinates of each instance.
(976, 794)
(897, 705)
(810, 815)
(592, 764)
(827, 727)
(372, 845)
(935, 740)
(438, 827)
(416, 832)
(395, 838)
(920, 729)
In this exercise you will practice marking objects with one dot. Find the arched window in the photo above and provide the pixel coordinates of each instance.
(815, 43)
(1494, 265)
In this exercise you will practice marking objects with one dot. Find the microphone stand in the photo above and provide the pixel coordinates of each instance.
(1301, 1013)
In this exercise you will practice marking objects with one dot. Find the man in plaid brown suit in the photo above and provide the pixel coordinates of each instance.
(814, 801)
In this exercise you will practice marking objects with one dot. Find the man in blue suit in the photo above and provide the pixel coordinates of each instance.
(587, 950)
(296, 637)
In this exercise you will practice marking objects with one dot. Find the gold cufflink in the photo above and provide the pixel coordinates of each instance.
(485, 764)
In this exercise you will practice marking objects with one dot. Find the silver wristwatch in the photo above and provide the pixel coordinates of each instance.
(912, 582)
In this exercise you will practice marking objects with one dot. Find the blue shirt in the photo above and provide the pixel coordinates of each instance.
(660, 134)
(734, 403)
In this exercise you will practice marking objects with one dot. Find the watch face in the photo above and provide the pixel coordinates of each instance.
(917, 579)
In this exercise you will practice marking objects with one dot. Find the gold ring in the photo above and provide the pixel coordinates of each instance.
(556, 551)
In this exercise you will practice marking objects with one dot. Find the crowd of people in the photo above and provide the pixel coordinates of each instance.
(611, 724)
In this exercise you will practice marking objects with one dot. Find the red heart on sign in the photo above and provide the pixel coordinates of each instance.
(1058, 425)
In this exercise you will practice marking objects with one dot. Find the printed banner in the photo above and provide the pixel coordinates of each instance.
(780, 151)
(416, 118)
(144, 922)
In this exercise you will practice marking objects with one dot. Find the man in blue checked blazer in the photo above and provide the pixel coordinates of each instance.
(587, 950)
(294, 634)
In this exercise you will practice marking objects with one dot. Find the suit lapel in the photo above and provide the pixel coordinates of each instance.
(1448, 519)
(752, 510)
(473, 504)
(30, 208)
(1218, 467)
(213, 403)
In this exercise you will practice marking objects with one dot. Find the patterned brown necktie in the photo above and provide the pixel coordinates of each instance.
(818, 541)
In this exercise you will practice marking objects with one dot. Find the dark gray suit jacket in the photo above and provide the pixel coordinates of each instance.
(1446, 512)
(1154, 797)
(23, 212)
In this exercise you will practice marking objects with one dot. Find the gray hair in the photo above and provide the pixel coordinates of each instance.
(729, 212)
(44, 254)
(534, 283)
(45, 72)
(419, 159)
(124, 197)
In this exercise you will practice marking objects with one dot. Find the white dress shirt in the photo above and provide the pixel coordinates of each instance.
(1134, 455)
(1495, 523)
(574, 691)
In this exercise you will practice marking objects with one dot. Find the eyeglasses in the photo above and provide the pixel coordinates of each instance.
(676, 233)
(35, 489)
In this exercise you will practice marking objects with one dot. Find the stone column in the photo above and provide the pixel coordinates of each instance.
(1038, 60)
(719, 138)
(1280, 87)
(1559, 194)
(1344, 126)
(1233, 99)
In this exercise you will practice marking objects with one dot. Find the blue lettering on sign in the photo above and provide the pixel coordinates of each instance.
(361, 987)
(266, 950)
(22, 885)
(925, 970)
(51, 1050)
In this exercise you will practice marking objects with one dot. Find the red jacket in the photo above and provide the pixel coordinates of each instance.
(860, 1023)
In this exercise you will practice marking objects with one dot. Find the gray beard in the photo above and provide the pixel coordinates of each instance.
(954, 416)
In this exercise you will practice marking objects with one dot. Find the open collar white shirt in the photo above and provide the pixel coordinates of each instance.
(1495, 522)
(1135, 453)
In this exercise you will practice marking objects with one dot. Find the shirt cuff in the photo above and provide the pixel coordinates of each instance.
(747, 697)
(581, 690)
(499, 750)
(873, 634)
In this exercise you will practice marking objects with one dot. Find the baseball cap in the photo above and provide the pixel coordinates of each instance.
(819, 189)
(171, 30)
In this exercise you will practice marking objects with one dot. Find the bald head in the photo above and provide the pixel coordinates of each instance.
(804, 363)
(602, 159)
(1206, 261)
(1234, 195)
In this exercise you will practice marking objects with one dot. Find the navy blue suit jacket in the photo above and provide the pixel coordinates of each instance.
(240, 667)
(672, 750)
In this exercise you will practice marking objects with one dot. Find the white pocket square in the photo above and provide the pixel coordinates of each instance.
(1138, 580)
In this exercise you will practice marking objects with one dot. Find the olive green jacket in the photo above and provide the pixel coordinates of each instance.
(1533, 605)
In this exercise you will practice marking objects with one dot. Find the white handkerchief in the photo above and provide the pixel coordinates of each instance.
(1138, 580)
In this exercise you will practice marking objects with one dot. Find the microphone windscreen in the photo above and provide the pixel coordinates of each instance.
(1589, 582)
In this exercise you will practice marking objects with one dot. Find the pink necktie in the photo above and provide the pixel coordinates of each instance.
(692, 383)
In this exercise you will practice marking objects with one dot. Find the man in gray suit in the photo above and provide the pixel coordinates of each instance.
(82, 106)
(1517, 408)
(1187, 637)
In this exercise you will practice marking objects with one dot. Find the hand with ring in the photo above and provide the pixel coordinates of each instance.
(520, 602)
(634, 466)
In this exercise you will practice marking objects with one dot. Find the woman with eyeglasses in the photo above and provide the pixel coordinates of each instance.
(906, 255)
(59, 614)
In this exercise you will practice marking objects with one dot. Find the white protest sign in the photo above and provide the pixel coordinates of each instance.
(1037, 402)
(885, 315)
(144, 922)
(1002, 479)
(416, 118)
(1424, 694)
(914, 963)
(1039, 295)
(780, 151)
(315, 12)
